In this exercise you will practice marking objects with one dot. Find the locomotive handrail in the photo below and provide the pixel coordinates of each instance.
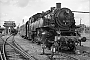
(69, 31)
(80, 12)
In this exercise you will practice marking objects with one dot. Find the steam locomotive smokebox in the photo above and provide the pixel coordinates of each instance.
(58, 5)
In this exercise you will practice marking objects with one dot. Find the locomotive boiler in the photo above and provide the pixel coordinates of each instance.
(55, 27)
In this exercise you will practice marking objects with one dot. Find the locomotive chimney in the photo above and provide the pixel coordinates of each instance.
(58, 5)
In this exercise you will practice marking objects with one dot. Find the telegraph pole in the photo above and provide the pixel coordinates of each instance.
(23, 21)
(80, 21)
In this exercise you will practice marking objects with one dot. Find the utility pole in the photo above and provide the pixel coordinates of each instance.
(80, 21)
(84, 30)
(80, 24)
(23, 21)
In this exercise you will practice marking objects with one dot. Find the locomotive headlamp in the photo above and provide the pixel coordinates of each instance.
(43, 33)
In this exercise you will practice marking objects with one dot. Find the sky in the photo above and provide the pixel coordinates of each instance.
(17, 10)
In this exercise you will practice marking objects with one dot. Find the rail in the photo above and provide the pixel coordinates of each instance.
(1, 57)
(17, 48)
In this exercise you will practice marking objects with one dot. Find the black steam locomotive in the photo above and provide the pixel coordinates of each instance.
(55, 27)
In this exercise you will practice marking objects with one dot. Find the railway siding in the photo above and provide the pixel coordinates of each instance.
(12, 51)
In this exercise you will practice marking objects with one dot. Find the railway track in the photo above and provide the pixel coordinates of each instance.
(10, 50)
